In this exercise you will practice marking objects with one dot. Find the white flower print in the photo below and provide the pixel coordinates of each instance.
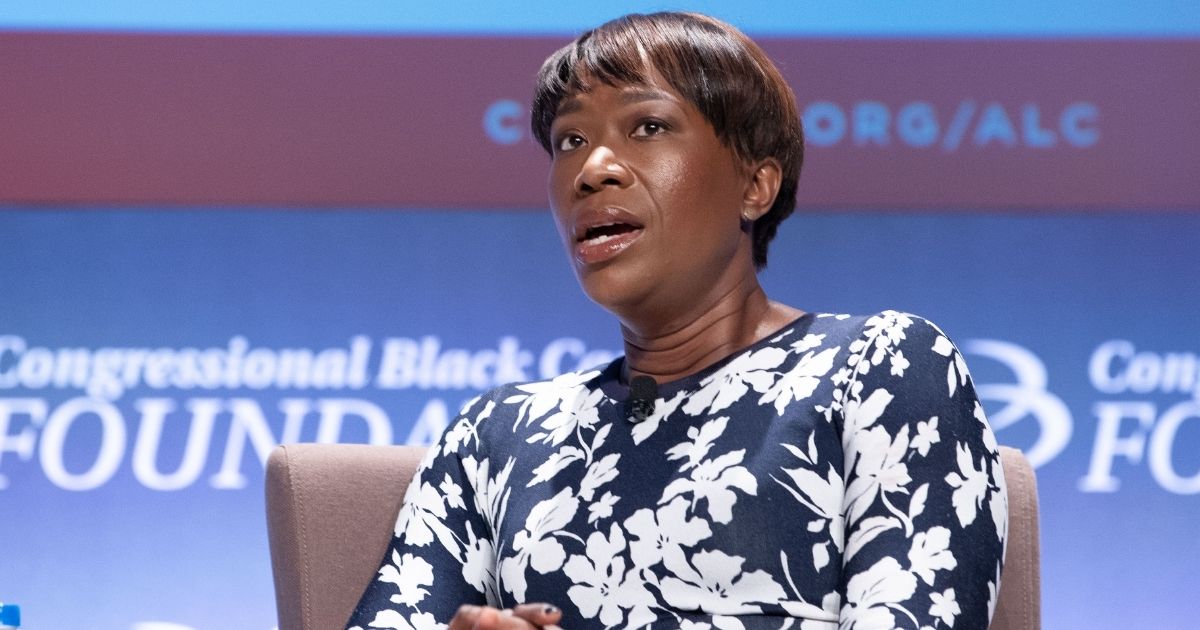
(461, 433)
(821, 495)
(729, 383)
(956, 372)
(998, 503)
(930, 552)
(712, 480)
(971, 486)
(421, 502)
(479, 565)
(555, 464)
(422, 518)
(602, 586)
(535, 545)
(599, 473)
(869, 594)
(801, 381)
(395, 621)
(560, 404)
(927, 435)
(890, 328)
(409, 574)
(452, 492)
(663, 533)
(806, 343)
(602, 507)
(916, 505)
(491, 493)
(883, 331)
(579, 410)
(721, 586)
(944, 606)
(798, 607)
(540, 398)
(898, 363)
(989, 438)
(721, 622)
(552, 495)
(880, 469)
(700, 442)
(860, 415)
(993, 591)
(868, 529)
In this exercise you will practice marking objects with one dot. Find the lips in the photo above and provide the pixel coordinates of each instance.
(603, 233)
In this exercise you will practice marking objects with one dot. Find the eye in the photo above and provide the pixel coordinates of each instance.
(568, 142)
(648, 128)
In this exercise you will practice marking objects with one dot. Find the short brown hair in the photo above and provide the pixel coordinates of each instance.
(719, 70)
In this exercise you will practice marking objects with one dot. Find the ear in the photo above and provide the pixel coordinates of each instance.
(762, 187)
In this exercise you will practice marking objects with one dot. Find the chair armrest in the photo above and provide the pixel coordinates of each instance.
(331, 510)
(1020, 601)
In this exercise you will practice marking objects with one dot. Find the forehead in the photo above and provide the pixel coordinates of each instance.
(626, 94)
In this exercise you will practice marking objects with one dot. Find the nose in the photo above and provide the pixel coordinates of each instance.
(602, 168)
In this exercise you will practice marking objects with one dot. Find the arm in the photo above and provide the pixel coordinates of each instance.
(925, 507)
(441, 555)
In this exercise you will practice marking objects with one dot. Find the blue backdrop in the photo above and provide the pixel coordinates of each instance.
(1068, 294)
(150, 357)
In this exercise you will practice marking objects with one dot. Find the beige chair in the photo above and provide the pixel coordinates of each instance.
(331, 509)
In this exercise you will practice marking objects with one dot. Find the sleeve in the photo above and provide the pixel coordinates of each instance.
(441, 555)
(925, 508)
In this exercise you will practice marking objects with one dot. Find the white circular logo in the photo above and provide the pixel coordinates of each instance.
(1026, 397)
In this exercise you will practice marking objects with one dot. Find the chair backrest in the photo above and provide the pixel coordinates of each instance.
(331, 509)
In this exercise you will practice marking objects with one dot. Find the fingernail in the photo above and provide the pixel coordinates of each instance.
(550, 610)
(507, 612)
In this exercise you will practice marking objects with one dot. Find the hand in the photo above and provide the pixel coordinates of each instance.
(523, 617)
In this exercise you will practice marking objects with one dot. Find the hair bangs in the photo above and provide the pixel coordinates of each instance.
(612, 56)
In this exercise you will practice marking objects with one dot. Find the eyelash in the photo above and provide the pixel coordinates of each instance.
(660, 125)
(558, 144)
(657, 123)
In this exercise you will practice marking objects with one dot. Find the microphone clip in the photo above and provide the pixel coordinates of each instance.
(643, 391)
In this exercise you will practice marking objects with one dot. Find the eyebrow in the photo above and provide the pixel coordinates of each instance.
(629, 96)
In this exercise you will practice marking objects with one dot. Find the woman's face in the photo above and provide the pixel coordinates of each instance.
(647, 199)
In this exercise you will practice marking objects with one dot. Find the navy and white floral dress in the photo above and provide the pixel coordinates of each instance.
(838, 474)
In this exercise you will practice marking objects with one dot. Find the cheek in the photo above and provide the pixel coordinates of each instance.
(678, 184)
(701, 197)
(561, 192)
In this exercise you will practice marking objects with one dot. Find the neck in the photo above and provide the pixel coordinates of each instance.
(686, 347)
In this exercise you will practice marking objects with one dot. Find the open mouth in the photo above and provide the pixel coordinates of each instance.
(599, 234)
(607, 238)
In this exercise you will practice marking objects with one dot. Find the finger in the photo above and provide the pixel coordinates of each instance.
(538, 614)
(465, 618)
(492, 619)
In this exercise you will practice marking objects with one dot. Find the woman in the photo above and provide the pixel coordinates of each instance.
(788, 469)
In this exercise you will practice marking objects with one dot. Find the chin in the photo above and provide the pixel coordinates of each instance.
(618, 291)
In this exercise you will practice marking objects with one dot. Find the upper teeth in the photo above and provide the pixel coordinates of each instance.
(596, 227)
(602, 238)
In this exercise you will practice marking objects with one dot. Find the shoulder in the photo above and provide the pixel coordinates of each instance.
(901, 354)
(507, 413)
(883, 338)
(874, 338)
(888, 326)
(904, 374)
